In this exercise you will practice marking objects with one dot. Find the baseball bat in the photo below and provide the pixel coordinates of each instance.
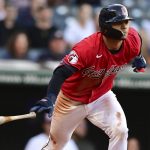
(5, 119)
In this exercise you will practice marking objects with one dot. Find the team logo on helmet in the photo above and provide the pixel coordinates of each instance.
(124, 11)
(73, 57)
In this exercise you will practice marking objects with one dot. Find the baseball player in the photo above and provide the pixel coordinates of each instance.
(83, 81)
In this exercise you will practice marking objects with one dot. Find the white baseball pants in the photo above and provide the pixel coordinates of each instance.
(106, 113)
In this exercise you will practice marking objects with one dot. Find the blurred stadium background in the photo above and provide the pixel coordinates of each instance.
(34, 37)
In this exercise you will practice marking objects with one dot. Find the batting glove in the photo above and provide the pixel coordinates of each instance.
(139, 64)
(44, 105)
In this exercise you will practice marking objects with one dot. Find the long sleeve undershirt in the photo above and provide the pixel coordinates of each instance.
(60, 74)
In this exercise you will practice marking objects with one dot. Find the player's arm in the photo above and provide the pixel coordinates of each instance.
(60, 74)
(139, 62)
(72, 62)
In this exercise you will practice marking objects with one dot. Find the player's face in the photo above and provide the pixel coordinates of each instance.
(122, 26)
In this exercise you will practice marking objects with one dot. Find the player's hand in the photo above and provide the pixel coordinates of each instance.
(139, 64)
(44, 105)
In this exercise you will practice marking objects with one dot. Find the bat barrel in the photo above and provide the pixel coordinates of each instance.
(5, 119)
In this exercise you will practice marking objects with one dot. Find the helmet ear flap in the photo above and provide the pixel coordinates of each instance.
(105, 15)
(103, 25)
(102, 20)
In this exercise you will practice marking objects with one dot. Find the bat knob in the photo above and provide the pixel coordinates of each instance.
(2, 120)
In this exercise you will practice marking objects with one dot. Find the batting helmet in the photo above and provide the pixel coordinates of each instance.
(112, 14)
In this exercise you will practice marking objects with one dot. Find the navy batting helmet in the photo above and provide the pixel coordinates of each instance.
(112, 14)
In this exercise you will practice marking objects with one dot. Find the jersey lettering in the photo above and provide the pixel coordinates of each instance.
(92, 73)
(114, 69)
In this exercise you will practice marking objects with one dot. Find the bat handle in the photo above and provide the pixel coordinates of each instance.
(30, 115)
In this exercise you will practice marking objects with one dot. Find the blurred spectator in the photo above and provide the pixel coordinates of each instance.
(96, 18)
(61, 13)
(17, 46)
(54, 3)
(2, 10)
(8, 25)
(145, 48)
(133, 144)
(81, 26)
(146, 34)
(27, 14)
(57, 48)
(79, 136)
(38, 141)
(91, 2)
(39, 33)
(20, 3)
